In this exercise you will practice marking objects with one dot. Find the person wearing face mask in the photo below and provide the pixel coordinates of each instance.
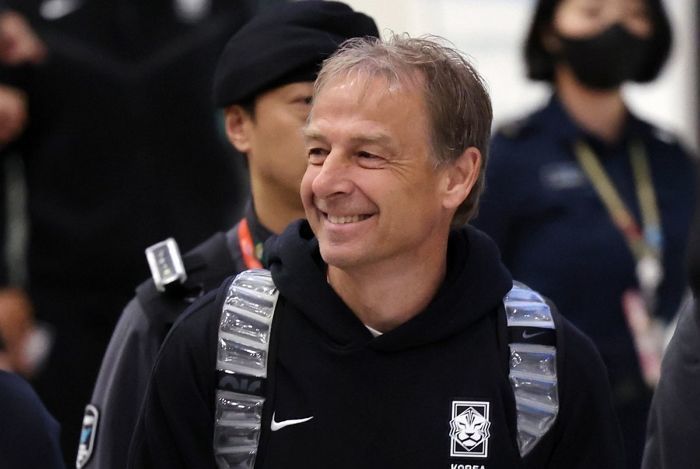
(589, 204)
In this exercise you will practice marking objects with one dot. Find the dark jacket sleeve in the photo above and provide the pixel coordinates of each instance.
(673, 432)
(175, 428)
(28, 433)
(121, 385)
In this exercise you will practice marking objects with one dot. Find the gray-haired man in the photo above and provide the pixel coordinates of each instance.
(383, 335)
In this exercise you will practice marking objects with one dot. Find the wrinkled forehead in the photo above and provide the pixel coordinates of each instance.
(388, 79)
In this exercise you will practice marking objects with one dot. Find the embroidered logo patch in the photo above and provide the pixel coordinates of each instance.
(469, 429)
(87, 436)
(562, 175)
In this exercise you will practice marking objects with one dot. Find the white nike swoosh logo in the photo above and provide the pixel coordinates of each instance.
(274, 426)
(530, 336)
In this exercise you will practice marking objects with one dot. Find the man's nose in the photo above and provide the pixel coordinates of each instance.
(334, 176)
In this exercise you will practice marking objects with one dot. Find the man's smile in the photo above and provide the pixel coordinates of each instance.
(345, 219)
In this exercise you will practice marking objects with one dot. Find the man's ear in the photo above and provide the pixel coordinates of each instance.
(460, 177)
(238, 122)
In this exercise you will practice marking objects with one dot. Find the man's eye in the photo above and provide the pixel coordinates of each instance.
(307, 100)
(369, 160)
(317, 155)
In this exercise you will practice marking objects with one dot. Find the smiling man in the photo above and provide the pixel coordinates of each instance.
(386, 334)
(377, 200)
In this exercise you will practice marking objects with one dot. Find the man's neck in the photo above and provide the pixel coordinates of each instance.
(600, 112)
(385, 295)
(274, 210)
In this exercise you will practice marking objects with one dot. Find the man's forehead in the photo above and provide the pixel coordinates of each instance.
(358, 104)
(314, 133)
(380, 81)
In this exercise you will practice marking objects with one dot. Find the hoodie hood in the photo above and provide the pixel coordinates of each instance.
(474, 286)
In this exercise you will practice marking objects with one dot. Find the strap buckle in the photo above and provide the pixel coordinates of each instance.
(166, 264)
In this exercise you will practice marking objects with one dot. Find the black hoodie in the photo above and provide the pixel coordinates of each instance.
(383, 402)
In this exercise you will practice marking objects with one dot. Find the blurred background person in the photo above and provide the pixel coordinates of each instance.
(19, 44)
(121, 146)
(589, 204)
(19, 333)
(673, 431)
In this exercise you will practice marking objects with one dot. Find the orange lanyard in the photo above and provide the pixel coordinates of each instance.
(245, 242)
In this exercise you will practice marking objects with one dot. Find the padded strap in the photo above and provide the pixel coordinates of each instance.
(241, 363)
(533, 369)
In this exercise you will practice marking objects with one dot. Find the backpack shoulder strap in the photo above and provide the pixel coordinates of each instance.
(241, 364)
(533, 369)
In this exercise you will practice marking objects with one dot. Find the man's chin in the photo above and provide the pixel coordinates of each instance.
(340, 258)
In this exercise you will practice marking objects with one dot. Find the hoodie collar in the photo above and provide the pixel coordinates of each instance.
(475, 283)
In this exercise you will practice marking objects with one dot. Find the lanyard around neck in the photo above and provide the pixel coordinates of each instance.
(645, 244)
(646, 241)
(245, 242)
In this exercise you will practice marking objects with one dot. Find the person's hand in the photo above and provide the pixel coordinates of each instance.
(16, 326)
(18, 42)
(13, 113)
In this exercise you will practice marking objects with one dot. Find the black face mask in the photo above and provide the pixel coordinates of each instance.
(606, 60)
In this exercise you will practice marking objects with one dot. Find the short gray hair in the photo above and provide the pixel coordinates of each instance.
(455, 94)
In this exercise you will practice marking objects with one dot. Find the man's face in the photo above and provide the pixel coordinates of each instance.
(274, 137)
(370, 191)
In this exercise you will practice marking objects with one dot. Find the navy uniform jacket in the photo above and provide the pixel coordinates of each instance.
(555, 235)
(140, 331)
(381, 402)
(28, 433)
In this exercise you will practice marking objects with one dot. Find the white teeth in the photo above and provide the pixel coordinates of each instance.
(348, 219)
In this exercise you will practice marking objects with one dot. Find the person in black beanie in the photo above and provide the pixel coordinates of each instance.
(264, 83)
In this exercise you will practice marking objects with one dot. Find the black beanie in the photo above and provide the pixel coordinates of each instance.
(284, 44)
